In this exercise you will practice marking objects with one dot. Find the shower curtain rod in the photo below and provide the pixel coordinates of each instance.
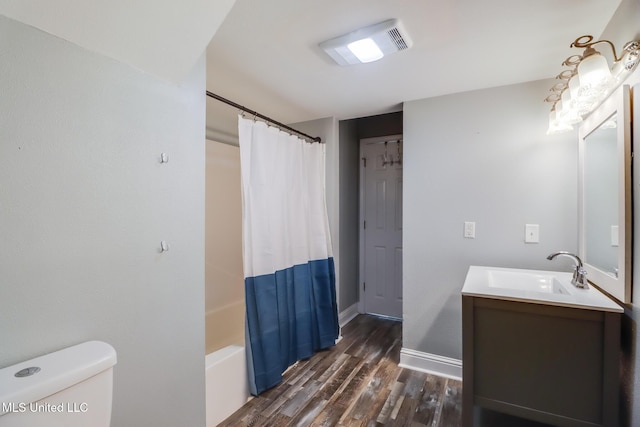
(262, 116)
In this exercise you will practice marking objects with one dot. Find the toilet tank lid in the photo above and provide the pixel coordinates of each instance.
(58, 371)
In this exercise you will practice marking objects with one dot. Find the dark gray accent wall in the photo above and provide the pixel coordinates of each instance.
(380, 125)
(349, 213)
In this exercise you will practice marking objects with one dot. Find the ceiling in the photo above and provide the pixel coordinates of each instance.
(161, 38)
(265, 55)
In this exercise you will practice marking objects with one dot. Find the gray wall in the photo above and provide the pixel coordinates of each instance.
(480, 156)
(349, 213)
(622, 28)
(84, 206)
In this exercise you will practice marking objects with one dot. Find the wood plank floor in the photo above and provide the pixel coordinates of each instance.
(356, 383)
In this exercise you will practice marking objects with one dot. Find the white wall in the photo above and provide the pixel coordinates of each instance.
(84, 206)
(224, 275)
(479, 156)
(223, 225)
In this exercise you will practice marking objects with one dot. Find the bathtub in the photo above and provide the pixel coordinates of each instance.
(227, 387)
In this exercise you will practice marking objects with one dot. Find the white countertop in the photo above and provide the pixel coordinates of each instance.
(478, 284)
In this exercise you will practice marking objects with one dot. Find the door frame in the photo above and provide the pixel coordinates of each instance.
(361, 190)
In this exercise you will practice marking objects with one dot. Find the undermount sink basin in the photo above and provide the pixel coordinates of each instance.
(531, 282)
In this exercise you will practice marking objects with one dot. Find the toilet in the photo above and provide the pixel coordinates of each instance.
(71, 387)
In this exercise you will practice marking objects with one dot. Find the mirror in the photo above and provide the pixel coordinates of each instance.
(601, 197)
(605, 195)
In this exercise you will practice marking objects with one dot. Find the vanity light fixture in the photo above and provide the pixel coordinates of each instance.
(588, 81)
(368, 44)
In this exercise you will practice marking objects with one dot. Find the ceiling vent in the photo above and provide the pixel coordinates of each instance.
(368, 44)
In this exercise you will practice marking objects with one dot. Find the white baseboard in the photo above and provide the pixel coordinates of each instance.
(431, 363)
(348, 315)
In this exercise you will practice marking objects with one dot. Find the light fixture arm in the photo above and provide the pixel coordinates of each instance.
(588, 81)
(588, 45)
(572, 61)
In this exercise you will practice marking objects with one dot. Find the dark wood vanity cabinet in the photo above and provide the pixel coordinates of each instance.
(556, 365)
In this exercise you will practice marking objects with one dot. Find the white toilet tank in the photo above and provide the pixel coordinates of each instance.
(68, 388)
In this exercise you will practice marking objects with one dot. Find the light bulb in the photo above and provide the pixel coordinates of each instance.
(595, 76)
(559, 107)
(574, 85)
(569, 113)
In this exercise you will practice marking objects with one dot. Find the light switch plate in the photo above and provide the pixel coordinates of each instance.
(531, 233)
(469, 230)
(615, 239)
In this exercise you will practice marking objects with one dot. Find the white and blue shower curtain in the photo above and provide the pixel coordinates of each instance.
(288, 261)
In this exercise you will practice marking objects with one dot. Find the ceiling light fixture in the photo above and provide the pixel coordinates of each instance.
(366, 50)
(588, 81)
(368, 44)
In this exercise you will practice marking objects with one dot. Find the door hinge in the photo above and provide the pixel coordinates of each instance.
(364, 160)
(365, 224)
(364, 286)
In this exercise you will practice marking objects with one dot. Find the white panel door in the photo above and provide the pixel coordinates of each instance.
(381, 210)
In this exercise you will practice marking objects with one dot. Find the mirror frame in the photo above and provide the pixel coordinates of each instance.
(617, 103)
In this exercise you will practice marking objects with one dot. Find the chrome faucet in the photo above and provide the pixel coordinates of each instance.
(579, 273)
